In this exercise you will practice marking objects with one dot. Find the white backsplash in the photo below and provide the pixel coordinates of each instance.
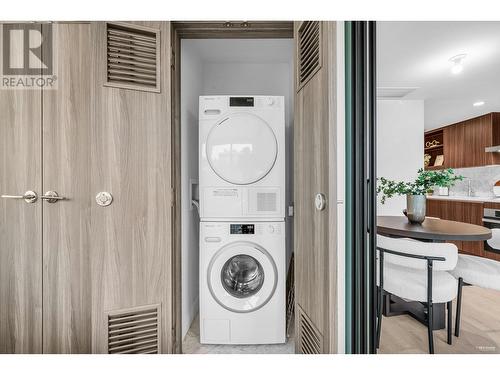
(482, 181)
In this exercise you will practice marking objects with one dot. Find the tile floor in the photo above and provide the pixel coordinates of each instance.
(191, 345)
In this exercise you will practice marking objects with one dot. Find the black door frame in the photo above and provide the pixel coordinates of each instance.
(361, 203)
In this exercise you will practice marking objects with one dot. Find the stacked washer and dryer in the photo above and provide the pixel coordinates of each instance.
(242, 211)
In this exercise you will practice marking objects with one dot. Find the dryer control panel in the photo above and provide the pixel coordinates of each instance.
(241, 101)
(214, 106)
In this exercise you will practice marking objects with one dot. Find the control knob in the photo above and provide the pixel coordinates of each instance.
(269, 101)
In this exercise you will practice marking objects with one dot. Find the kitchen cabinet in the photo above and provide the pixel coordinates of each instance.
(454, 139)
(464, 142)
(467, 212)
(472, 213)
(433, 147)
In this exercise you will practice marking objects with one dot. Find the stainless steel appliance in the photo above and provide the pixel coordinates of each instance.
(491, 220)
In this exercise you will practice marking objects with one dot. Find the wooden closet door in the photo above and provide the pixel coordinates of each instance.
(131, 158)
(106, 266)
(314, 228)
(20, 222)
(66, 170)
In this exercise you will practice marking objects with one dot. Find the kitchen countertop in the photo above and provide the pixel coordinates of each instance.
(464, 198)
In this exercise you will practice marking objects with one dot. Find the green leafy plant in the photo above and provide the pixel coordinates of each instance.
(422, 185)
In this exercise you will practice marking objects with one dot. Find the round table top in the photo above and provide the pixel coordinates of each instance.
(431, 229)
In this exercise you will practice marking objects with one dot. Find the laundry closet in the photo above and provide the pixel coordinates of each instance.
(300, 65)
(249, 79)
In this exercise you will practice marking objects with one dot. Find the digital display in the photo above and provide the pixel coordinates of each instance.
(241, 102)
(242, 229)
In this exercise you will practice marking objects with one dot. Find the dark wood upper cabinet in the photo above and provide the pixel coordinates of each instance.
(455, 149)
(464, 143)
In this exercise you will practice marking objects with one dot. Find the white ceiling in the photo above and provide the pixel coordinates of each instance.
(416, 55)
(244, 50)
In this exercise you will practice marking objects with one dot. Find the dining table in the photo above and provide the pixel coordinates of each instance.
(430, 230)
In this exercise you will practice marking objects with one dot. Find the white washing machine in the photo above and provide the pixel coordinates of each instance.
(242, 157)
(242, 282)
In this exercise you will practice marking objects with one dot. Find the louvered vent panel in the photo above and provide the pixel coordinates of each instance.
(310, 341)
(309, 50)
(134, 331)
(266, 202)
(132, 57)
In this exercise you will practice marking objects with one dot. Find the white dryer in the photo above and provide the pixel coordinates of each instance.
(242, 157)
(242, 282)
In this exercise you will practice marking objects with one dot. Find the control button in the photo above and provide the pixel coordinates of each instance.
(270, 101)
(270, 229)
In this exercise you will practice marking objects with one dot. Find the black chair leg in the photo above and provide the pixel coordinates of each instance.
(430, 328)
(379, 312)
(459, 306)
(449, 307)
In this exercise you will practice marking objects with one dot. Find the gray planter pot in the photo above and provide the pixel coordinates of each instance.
(415, 208)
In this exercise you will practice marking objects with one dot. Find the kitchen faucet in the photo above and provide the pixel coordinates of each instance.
(469, 186)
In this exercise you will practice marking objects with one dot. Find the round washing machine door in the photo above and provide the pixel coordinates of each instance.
(242, 277)
(242, 148)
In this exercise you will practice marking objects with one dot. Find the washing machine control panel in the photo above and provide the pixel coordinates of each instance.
(242, 229)
(272, 229)
(258, 228)
(241, 101)
(215, 233)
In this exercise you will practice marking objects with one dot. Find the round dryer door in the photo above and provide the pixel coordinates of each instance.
(241, 149)
(242, 277)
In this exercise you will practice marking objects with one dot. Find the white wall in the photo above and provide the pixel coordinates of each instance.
(400, 145)
(191, 88)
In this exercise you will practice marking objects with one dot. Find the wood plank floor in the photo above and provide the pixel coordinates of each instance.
(479, 333)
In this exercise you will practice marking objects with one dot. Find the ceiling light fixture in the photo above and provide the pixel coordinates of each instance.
(457, 63)
(478, 104)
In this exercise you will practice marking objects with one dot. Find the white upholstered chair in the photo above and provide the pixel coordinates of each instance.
(417, 271)
(473, 270)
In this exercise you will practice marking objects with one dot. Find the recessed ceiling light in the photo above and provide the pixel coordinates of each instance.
(478, 104)
(457, 63)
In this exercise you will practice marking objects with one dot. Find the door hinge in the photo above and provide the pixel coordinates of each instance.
(172, 57)
(172, 197)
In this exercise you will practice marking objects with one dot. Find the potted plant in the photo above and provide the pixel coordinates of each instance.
(415, 191)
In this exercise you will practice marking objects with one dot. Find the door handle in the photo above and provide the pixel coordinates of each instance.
(320, 201)
(29, 196)
(52, 197)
